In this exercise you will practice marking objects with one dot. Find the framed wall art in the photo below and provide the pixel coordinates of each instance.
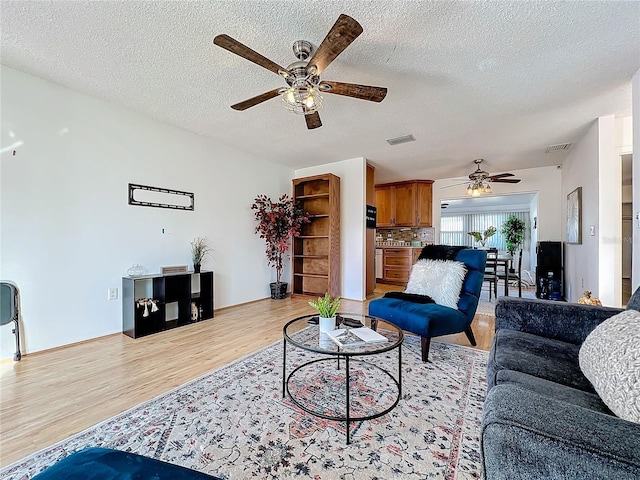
(574, 216)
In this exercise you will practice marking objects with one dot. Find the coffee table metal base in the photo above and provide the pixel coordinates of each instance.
(347, 360)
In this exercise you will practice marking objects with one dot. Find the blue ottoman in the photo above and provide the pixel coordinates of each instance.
(105, 464)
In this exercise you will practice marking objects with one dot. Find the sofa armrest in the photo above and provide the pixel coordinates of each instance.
(569, 322)
(526, 435)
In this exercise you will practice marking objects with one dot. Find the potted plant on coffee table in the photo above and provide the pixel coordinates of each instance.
(277, 223)
(327, 308)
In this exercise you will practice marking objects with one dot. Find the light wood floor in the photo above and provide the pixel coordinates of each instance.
(51, 395)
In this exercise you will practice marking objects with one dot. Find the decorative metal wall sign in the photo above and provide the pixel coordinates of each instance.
(146, 196)
(371, 216)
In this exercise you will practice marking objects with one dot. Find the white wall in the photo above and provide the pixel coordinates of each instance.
(609, 228)
(580, 169)
(595, 165)
(352, 175)
(635, 88)
(533, 222)
(67, 233)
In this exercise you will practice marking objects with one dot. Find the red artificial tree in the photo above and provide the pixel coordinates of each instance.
(277, 223)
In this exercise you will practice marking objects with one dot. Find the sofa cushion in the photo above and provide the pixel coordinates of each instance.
(527, 436)
(634, 301)
(610, 359)
(541, 357)
(551, 389)
(439, 279)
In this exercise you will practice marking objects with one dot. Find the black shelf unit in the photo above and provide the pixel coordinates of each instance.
(549, 271)
(176, 297)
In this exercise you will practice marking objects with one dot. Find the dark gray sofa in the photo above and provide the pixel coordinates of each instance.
(542, 418)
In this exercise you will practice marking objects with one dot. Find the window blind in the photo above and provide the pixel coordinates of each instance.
(454, 228)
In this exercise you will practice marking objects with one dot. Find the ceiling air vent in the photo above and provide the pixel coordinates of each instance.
(557, 148)
(399, 140)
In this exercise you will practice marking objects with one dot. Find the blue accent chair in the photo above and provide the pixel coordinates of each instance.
(432, 320)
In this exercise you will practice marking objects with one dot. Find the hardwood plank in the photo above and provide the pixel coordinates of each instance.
(51, 395)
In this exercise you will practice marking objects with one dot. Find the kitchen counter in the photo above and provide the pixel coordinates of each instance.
(398, 244)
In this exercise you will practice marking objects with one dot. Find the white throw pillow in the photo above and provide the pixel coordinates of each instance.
(439, 279)
(610, 359)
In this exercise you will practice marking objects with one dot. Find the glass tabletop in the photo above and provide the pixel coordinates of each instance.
(304, 332)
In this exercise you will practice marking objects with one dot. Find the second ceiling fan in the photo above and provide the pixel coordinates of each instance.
(479, 180)
(302, 96)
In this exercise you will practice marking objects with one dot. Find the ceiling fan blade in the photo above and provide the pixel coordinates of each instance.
(455, 185)
(313, 120)
(234, 46)
(256, 100)
(501, 175)
(363, 92)
(506, 180)
(343, 32)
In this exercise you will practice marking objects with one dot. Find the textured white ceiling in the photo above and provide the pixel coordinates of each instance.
(497, 80)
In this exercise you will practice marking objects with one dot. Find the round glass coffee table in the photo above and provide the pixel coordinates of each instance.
(345, 384)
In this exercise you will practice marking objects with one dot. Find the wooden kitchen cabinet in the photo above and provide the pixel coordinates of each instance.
(424, 204)
(384, 206)
(397, 263)
(404, 204)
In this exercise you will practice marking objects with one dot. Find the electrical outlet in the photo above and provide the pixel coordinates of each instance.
(112, 294)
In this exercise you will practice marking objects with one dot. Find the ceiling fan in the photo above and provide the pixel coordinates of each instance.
(302, 96)
(479, 180)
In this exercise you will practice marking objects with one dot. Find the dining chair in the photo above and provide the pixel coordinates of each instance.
(491, 271)
(514, 277)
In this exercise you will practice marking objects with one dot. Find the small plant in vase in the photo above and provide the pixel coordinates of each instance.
(277, 223)
(482, 238)
(199, 249)
(327, 308)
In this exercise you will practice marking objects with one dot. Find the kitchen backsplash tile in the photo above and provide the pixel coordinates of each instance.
(425, 235)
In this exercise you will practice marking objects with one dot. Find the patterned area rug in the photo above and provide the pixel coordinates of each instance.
(486, 308)
(234, 423)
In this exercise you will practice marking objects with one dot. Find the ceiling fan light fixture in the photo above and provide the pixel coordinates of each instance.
(303, 100)
(478, 188)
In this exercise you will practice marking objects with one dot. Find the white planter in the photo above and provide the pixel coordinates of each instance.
(327, 324)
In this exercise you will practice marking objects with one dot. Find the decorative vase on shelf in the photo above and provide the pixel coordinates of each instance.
(135, 270)
(327, 324)
(196, 268)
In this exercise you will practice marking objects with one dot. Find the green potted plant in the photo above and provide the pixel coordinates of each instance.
(484, 236)
(513, 231)
(199, 249)
(277, 223)
(327, 308)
